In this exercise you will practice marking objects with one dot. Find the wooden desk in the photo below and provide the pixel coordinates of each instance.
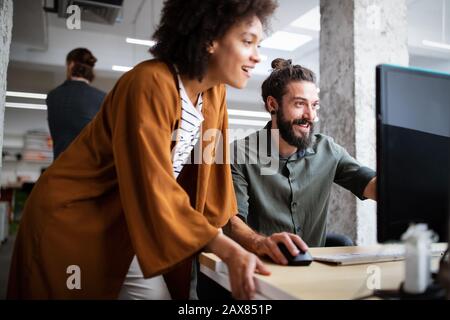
(318, 281)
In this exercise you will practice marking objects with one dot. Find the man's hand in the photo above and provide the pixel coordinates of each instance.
(370, 192)
(269, 246)
(262, 245)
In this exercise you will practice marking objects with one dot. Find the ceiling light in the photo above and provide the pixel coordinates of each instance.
(285, 41)
(310, 20)
(26, 95)
(247, 113)
(26, 106)
(437, 45)
(121, 68)
(148, 43)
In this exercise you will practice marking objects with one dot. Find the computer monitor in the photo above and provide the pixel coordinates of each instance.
(413, 143)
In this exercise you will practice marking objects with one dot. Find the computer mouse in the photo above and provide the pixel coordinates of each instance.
(302, 259)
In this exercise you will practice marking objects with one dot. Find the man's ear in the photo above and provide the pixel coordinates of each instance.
(272, 104)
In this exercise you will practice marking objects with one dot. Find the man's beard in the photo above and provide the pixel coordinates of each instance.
(288, 134)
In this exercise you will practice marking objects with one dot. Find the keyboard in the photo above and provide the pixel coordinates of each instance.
(382, 254)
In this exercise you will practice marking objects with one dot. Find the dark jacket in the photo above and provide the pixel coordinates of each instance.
(70, 107)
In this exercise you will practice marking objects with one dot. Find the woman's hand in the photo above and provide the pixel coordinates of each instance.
(241, 264)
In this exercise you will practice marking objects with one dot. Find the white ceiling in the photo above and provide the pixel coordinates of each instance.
(41, 42)
(139, 18)
(108, 42)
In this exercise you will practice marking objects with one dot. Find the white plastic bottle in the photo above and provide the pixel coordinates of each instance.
(417, 258)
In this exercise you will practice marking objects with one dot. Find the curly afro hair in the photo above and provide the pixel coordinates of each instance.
(188, 27)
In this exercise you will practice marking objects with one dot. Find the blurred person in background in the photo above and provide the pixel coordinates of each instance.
(72, 105)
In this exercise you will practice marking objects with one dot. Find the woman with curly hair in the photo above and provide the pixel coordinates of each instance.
(120, 203)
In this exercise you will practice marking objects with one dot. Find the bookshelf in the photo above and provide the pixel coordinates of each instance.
(24, 157)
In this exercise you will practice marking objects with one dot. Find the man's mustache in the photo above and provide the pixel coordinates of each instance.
(301, 122)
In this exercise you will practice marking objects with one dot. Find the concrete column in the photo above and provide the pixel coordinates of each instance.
(356, 35)
(6, 21)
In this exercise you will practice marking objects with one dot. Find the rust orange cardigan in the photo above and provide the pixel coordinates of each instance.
(112, 194)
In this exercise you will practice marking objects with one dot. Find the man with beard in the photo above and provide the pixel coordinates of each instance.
(291, 204)
(288, 202)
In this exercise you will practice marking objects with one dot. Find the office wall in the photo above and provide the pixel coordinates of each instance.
(6, 15)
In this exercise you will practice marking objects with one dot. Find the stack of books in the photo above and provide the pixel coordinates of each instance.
(37, 147)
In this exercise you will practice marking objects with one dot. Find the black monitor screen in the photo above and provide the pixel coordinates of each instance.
(413, 157)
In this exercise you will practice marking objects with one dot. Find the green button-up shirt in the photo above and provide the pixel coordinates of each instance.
(295, 197)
